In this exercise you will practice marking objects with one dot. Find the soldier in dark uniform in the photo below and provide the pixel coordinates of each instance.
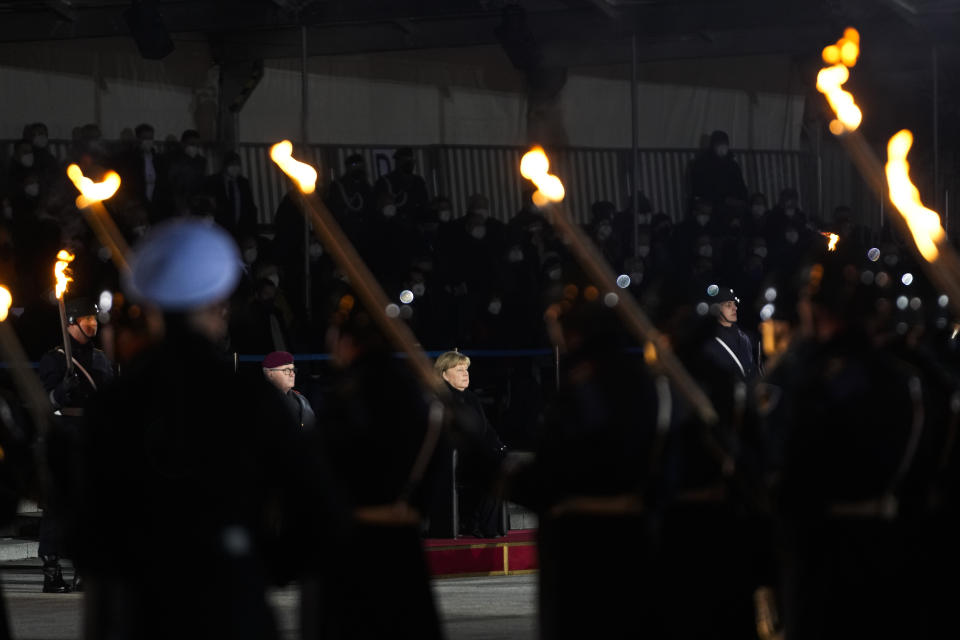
(189, 467)
(729, 349)
(376, 585)
(848, 499)
(279, 370)
(407, 190)
(589, 484)
(70, 391)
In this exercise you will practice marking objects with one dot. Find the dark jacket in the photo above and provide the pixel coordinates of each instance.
(742, 362)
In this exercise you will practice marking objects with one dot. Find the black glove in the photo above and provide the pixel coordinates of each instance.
(69, 393)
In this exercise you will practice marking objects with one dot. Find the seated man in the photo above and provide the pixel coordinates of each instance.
(279, 370)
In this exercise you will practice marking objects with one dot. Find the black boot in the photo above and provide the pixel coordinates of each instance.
(53, 576)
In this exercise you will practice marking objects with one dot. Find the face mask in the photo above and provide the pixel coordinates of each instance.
(146, 145)
(316, 250)
(758, 210)
(760, 252)
(792, 236)
(706, 251)
(483, 213)
(444, 215)
(140, 231)
(636, 277)
(515, 255)
(250, 255)
(32, 189)
(721, 150)
(479, 232)
(419, 289)
(26, 160)
(494, 306)
(789, 211)
(7, 211)
(643, 251)
(389, 210)
(39, 141)
(274, 278)
(191, 150)
(603, 232)
(554, 274)
(735, 223)
(643, 218)
(233, 171)
(703, 219)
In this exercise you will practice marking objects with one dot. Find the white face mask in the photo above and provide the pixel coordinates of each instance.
(479, 232)
(233, 171)
(444, 215)
(26, 160)
(758, 210)
(274, 278)
(515, 255)
(7, 211)
(643, 251)
(636, 277)
(792, 236)
(706, 251)
(39, 141)
(250, 255)
(789, 211)
(703, 219)
(494, 306)
(191, 150)
(316, 250)
(389, 210)
(554, 274)
(643, 218)
(146, 145)
(721, 150)
(140, 231)
(603, 232)
(760, 252)
(418, 289)
(32, 189)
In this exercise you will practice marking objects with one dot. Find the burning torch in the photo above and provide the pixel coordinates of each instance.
(61, 273)
(384, 313)
(940, 260)
(535, 166)
(90, 202)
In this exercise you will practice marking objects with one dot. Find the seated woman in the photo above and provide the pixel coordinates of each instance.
(481, 513)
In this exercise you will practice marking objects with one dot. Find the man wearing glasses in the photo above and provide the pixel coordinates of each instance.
(279, 370)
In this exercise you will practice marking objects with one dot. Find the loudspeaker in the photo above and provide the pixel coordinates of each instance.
(148, 31)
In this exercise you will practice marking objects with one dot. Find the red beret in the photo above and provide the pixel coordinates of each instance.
(277, 359)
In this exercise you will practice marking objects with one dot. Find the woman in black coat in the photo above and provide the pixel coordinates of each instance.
(481, 513)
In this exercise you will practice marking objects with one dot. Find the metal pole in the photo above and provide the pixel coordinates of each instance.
(556, 366)
(634, 150)
(305, 142)
(936, 129)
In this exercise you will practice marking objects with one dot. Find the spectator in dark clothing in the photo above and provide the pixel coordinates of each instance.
(46, 165)
(716, 177)
(21, 162)
(144, 174)
(235, 210)
(279, 370)
(350, 198)
(406, 188)
(186, 171)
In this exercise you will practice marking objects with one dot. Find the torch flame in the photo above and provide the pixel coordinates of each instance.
(841, 56)
(92, 192)
(534, 166)
(924, 224)
(5, 301)
(832, 240)
(64, 258)
(300, 172)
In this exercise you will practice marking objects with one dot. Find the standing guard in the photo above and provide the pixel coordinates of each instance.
(70, 387)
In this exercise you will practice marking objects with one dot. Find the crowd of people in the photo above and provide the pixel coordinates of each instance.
(474, 281)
